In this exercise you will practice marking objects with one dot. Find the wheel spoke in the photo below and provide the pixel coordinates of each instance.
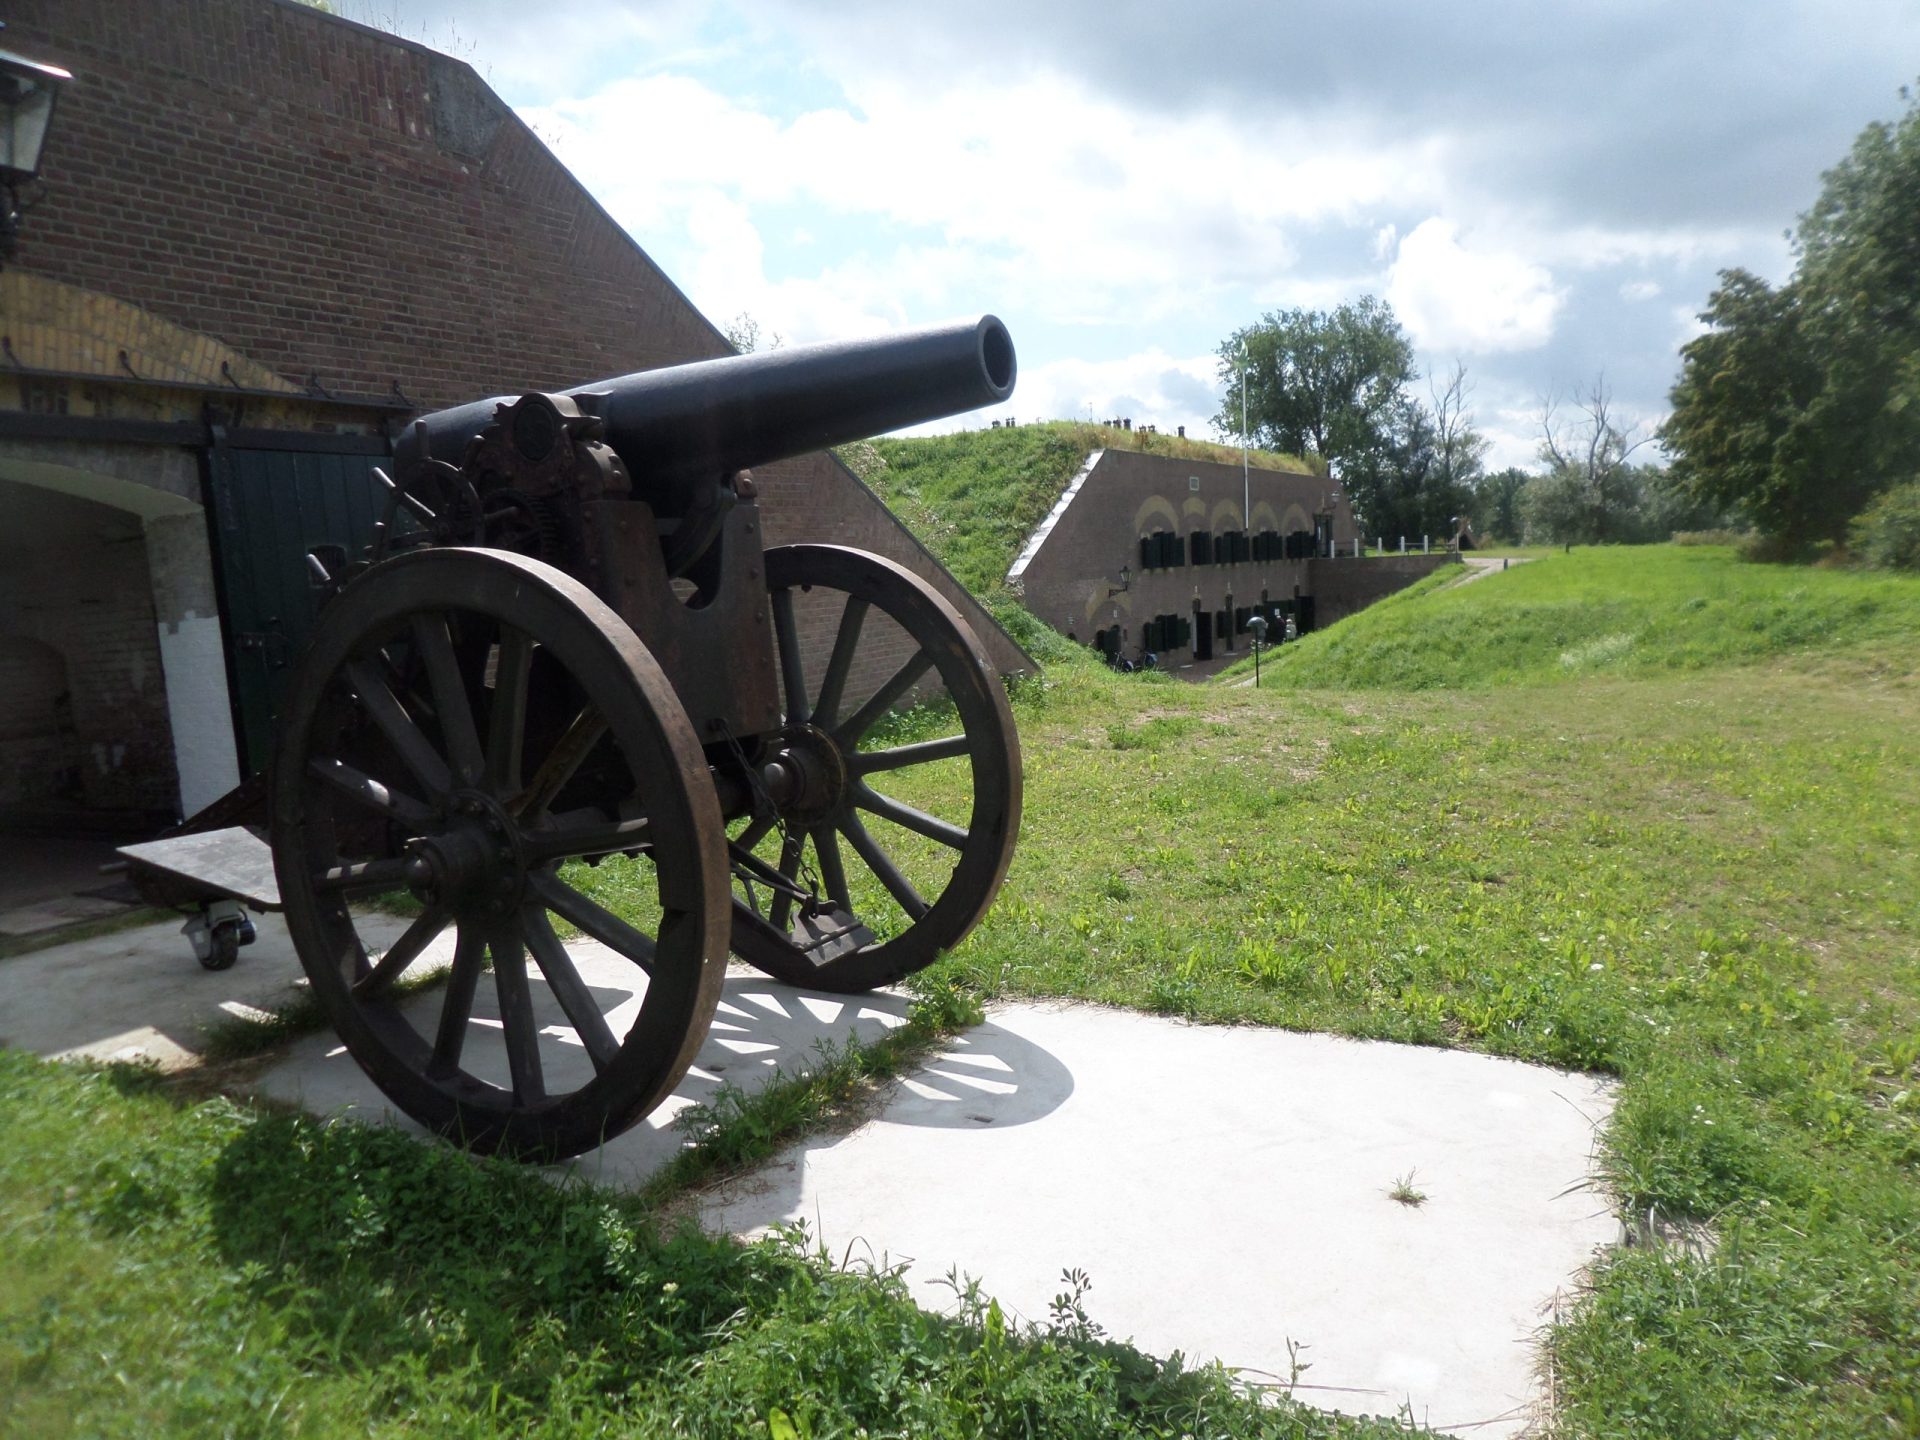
(569, 989)
(883, 699)
(516, 1014)
(598, 921)
(369, 793)
(846, 644)
(833, 873)
(402, 953)
(416, 752)
(456, 1009)
(507, 715)
(362, 877)
(557, 769)
(883, 867)
(754, 833)
(780, 913)
(450, 702)
(791, 672)
(542, 847)
(872, 761)
(908, 818)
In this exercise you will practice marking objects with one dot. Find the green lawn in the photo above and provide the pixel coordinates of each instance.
(1470, 816)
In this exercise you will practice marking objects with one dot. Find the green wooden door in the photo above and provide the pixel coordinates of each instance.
(270, 507)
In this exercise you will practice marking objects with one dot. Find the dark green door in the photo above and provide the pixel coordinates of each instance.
(270, 507)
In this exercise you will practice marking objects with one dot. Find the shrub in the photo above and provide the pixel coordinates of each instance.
(1772, 549)
(1711, 537)
(1886, 535)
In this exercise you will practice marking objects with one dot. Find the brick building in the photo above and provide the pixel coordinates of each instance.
(262, 238)
(1154, 553)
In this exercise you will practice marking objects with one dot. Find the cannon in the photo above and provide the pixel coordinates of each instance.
(567, 642)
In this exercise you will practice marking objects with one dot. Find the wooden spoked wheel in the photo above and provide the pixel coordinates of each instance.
(890, 801)
(464, 724)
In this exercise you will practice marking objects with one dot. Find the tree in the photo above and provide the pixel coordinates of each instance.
(1325, 384)
(743, 333)
(1388, 480)
(1801, 403)
(1590, 494)
(1459, 453)
(1496, 503)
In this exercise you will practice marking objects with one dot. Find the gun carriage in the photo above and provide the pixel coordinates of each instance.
(568, 642)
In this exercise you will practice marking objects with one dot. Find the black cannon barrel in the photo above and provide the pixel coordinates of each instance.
(678, 425)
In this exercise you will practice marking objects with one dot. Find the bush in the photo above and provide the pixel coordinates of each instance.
(1711, 537)
(1763, 549)
(1886, 535)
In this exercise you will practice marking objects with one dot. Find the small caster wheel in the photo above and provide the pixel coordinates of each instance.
(217, 933)
(223, 948)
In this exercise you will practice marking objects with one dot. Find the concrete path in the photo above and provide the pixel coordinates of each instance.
(1227, 1190)
(1481, 566)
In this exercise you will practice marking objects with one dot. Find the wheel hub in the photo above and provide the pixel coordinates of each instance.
(474, 864)
(806, 776)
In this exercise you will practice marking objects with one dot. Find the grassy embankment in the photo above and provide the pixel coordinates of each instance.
(1669, 837)
(973, 497)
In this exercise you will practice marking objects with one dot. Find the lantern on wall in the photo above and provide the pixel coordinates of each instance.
(28, 90)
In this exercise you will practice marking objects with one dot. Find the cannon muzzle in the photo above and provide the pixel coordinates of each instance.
(679, 426)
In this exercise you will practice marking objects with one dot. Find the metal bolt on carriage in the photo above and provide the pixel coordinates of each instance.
(567, 642)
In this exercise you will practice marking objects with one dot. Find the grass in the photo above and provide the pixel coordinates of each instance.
(737, 1129)
(1402, 1191)
(211, 1270)
(1689, 862)
(1623, 611)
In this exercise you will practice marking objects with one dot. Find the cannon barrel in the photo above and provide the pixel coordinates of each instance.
(677, 426)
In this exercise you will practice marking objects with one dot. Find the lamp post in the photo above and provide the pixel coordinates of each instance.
(1258, 625)
(27, 92)
(1246, 482)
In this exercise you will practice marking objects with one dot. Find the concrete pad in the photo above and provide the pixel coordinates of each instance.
(760, 1030)
(1226, 1189)
(139, 994)
(47, 881)
(1228, 1192)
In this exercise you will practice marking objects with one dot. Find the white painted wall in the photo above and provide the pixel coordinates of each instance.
(193, 658)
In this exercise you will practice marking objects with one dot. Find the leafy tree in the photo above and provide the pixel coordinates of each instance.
(1886, 534)
(1459, 450)
(1667, 506)
(1801, 403)
(1495, 506)
(1387, 480)
(1591, 493)
(1329, 384)
(744, 334)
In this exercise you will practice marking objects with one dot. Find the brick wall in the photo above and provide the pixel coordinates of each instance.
(330, 200)
(83, 594)
(1127, 494)
(1340, 587)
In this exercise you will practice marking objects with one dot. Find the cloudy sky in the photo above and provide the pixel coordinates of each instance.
(1543, 191)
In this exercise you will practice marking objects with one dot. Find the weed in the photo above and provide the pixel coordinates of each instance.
(736, 1129)
(1403, 1192)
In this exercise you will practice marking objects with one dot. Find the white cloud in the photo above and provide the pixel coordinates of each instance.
(1150, 387)
(1038, 196)
(1456, 297)
(1635, 291)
